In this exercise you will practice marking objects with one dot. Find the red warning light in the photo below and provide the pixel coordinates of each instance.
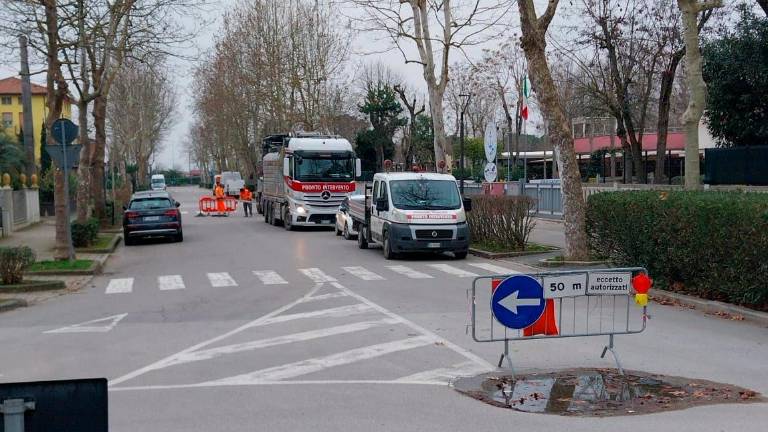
(641, 283)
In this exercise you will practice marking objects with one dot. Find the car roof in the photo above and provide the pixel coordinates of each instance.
(413, 176)
(151, 194)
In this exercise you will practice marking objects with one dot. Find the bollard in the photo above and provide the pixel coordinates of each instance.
(13, 414)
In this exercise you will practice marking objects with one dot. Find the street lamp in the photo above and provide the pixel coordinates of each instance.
(465, 103)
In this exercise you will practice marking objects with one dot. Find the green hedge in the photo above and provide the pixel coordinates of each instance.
(710, 244)
(84, 234)
(501, 222)
(13, 262)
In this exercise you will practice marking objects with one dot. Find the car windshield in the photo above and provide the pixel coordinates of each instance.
(150, 204)
(158, 181)
(324, 169)
(425, 194)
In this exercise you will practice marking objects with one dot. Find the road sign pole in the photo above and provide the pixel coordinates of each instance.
(65, 167)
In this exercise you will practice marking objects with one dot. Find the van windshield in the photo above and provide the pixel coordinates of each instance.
(425, 194)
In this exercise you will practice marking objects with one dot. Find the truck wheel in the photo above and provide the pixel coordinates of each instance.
(362, 242)
(265, 212)
(336, 229)
(388, 254)
(287, 219)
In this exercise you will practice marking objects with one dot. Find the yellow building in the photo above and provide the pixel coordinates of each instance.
(11, 111)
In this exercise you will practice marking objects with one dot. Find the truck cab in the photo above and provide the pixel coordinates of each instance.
(414, 212)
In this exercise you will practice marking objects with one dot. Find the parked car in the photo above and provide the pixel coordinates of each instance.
(158, 182)
(152, 214)
(344, 225)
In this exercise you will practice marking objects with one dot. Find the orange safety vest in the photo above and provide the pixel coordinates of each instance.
(246, 195)
(218, 190)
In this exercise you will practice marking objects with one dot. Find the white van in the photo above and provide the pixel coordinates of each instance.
(413, 212)
(158, 182)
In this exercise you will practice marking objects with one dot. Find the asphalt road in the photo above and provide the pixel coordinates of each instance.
(245, 326)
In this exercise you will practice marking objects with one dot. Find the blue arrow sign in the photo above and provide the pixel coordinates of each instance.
(64, 130)
(518, 301)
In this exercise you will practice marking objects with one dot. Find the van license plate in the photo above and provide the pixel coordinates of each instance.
(433, 245)
(151, 218)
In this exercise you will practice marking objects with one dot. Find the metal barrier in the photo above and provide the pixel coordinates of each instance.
(559, 304)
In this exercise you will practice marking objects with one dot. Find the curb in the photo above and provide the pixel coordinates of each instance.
(11, 304)
(711, 306)
(109, 249)
(33, 286)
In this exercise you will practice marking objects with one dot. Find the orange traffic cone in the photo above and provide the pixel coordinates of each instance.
(546, 324)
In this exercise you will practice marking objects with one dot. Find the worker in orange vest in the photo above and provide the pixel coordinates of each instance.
(246, 197)
(218, 192)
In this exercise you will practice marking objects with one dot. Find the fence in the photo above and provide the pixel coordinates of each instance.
(18, 208)
(562, 304)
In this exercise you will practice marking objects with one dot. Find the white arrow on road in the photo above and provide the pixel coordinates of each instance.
(512, 302)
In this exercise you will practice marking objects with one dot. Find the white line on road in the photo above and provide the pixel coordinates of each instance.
(494, 269)
(362, 273)
(304, 367)
(317, 275)
(280, 383)
(89, 327)
(120, 286)
(171, 282)
(452, 270)
(446, 375)
(409, 272)
(161, 363)
(337, 312)
(269, 277)
(280, 340)
(326, 296)
(221, 280)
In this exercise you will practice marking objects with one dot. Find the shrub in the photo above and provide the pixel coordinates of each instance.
(84, 234)
(710, 244)
(13, 262)
(501, 221)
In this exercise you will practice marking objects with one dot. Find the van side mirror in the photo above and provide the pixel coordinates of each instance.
(125, 207)
(467, 202)
(382, 204)
(358, 168)
(286, 167)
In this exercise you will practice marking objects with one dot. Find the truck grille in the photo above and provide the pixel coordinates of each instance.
(436, 234)
(316, 200)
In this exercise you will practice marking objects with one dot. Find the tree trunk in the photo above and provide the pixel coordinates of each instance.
(86, 153)
(665, 100)
(697, 87)
(97, 161)
(442, 146)
(534, 46)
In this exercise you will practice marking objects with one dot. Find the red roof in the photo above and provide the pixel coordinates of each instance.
(675, 141)
(12, 86)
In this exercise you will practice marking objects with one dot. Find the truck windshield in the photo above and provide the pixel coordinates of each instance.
(425, 194)
(324, 169)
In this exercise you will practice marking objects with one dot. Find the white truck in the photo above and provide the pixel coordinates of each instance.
(412, 212)
(304, 179)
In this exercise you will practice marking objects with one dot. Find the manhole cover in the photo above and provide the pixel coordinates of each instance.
(599, 392)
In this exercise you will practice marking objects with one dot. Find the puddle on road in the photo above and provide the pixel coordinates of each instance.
(599, 392)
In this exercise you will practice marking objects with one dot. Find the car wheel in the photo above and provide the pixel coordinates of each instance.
(347, 235)
(388, 254)
(179, 237)
(460, 255)
(127, 240)
(362, 242)
(287, 219)
(336, 229)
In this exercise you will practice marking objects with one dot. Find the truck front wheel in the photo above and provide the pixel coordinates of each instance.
(287, 219)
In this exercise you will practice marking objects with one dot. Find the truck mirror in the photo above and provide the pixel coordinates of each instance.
(287, 167)
(358, 168)
(467, 202)
(382, 204)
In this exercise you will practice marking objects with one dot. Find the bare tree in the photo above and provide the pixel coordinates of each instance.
(690, 10)
(409, 131)
(458, 25)
(533, 41)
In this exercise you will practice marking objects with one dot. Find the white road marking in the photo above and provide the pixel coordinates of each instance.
(171, 282)
(269, 277)
(304, 367)
(326, 296)
(280, 340)
(337, 312)
(494, 269)
(362, 273)
(446, 375)
(317, 275)
(451, 270)
(409, 272)
(280, 383)
(161, 363)
(221, 280)
(88, 327)
(119, 286)
(184, 212)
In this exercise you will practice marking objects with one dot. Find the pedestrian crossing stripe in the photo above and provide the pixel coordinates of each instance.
(269, 277)
(172, 282)
(452, 270)
(362, 273)
(120, 286)
(409, 272)
(495, 269)
(221, 280)
(317, 275)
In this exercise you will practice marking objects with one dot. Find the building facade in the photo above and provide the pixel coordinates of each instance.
(12, 115)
